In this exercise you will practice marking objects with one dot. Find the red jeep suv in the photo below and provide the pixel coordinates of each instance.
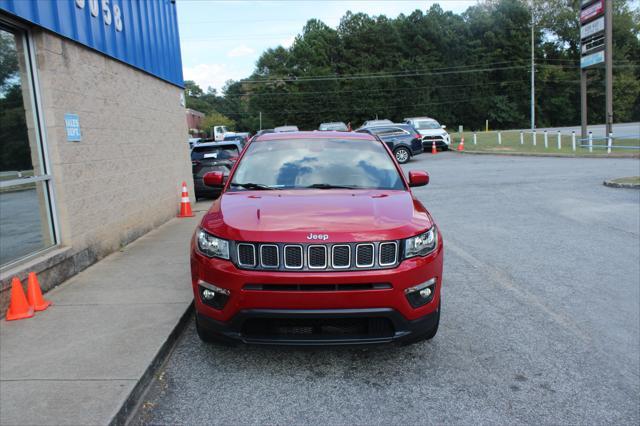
(316, 240)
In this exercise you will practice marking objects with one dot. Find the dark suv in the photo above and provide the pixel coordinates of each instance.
(212, 157)
(402, 139)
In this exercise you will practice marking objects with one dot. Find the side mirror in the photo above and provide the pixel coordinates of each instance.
(418, 178)
(213, 179)
(443, 126)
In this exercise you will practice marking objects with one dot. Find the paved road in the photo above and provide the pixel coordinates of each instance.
(540, 317)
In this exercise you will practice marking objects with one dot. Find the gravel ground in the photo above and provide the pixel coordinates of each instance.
(540, 320)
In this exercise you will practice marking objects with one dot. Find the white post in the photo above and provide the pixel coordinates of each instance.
(590, 141)
(521, 137)
(559, 140)
(546, 140)
(573, 141)
(499, 138)
(533, 136)
(609, 142)
(475, 138)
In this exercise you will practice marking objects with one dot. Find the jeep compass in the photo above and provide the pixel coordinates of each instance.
(316, 239)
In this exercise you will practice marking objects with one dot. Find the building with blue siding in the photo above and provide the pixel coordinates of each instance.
(93, 144)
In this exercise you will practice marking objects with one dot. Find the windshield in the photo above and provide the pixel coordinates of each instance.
(333, 126)
(320, 163)
(225, 152)
(427, 124)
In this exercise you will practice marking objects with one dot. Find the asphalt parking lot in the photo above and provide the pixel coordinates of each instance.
(540, 320)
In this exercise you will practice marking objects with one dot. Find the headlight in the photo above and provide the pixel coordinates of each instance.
(422, 244)
(211, 246)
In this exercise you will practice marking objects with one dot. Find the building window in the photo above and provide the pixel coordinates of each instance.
(26, 220)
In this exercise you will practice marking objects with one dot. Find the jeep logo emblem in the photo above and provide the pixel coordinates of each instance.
(313, 236)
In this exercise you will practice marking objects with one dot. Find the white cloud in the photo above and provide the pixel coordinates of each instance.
(241, 50)
(209, 75)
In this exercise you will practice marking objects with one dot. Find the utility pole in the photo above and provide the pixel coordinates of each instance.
(260, 120)
(533, 73)
(608, 64)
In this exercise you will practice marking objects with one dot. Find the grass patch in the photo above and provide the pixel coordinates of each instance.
(631, 180)
(510, 141)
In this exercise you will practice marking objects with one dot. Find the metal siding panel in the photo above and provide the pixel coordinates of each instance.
(149, 39)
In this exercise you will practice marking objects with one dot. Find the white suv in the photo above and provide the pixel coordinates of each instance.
(431, 131)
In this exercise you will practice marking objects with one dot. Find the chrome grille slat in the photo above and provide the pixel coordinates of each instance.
(293, 257)
(387, 253)
(365, 255)
(317, 256)
(341, 256)
(269, 256)
(246, 254)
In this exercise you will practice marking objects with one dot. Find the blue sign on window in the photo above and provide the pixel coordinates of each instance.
(72, 124)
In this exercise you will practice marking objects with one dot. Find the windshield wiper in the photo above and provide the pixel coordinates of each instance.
(330, 186)
(251, 185)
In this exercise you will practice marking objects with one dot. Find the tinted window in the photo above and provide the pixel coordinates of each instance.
(300, 163)
(225, 152)
(387, 131)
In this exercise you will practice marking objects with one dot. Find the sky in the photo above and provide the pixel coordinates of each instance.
(223, 39)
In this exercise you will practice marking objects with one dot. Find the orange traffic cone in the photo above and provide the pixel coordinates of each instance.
(434, 150)
(34, 294)
(461, 145)
(185, 204)
(19, 308)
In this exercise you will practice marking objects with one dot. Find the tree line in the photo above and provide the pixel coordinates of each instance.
(458, 68)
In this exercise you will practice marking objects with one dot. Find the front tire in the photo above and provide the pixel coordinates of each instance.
(402, 155)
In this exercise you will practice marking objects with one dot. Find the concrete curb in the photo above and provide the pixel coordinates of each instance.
(612, 184)
(130, 405)
(537, 154)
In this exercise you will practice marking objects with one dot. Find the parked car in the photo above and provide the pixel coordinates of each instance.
(243, 138)
(219, 132)
(431, 131)
(283, 129)
(194, 141)
(370, 123)
(317, 239)
(336, 126)
(402, 139)
(208, 157)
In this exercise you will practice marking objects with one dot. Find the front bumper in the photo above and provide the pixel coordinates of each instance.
(248, 301)
(390, 326)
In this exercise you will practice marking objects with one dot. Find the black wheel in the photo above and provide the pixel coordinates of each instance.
(402, 155)
(429, 334)
(208, 337)
(445, 147)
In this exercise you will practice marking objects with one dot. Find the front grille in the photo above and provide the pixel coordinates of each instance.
(317, 287)
(318, 328)
(316, 257)
(246, 255)
(269, 256)
(388, 253)
(341, 256)
(364, 255)
(293, 257)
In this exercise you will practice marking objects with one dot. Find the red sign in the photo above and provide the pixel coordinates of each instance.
(592, 11)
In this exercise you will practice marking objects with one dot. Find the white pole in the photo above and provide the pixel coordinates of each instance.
(573, 140)
(533, 136)
(609, 142)
(521, 137)
(533, 74)
(260, 120)
(499, 138)
(546, 140)
(590, 141)
(559, 140)
(475, 141)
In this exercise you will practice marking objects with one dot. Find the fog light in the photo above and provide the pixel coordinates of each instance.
(421, 294)
(208, 294)
(426, 292)
(212, 295)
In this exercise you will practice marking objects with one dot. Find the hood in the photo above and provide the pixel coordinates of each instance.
(292, 215)
(432, 132)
